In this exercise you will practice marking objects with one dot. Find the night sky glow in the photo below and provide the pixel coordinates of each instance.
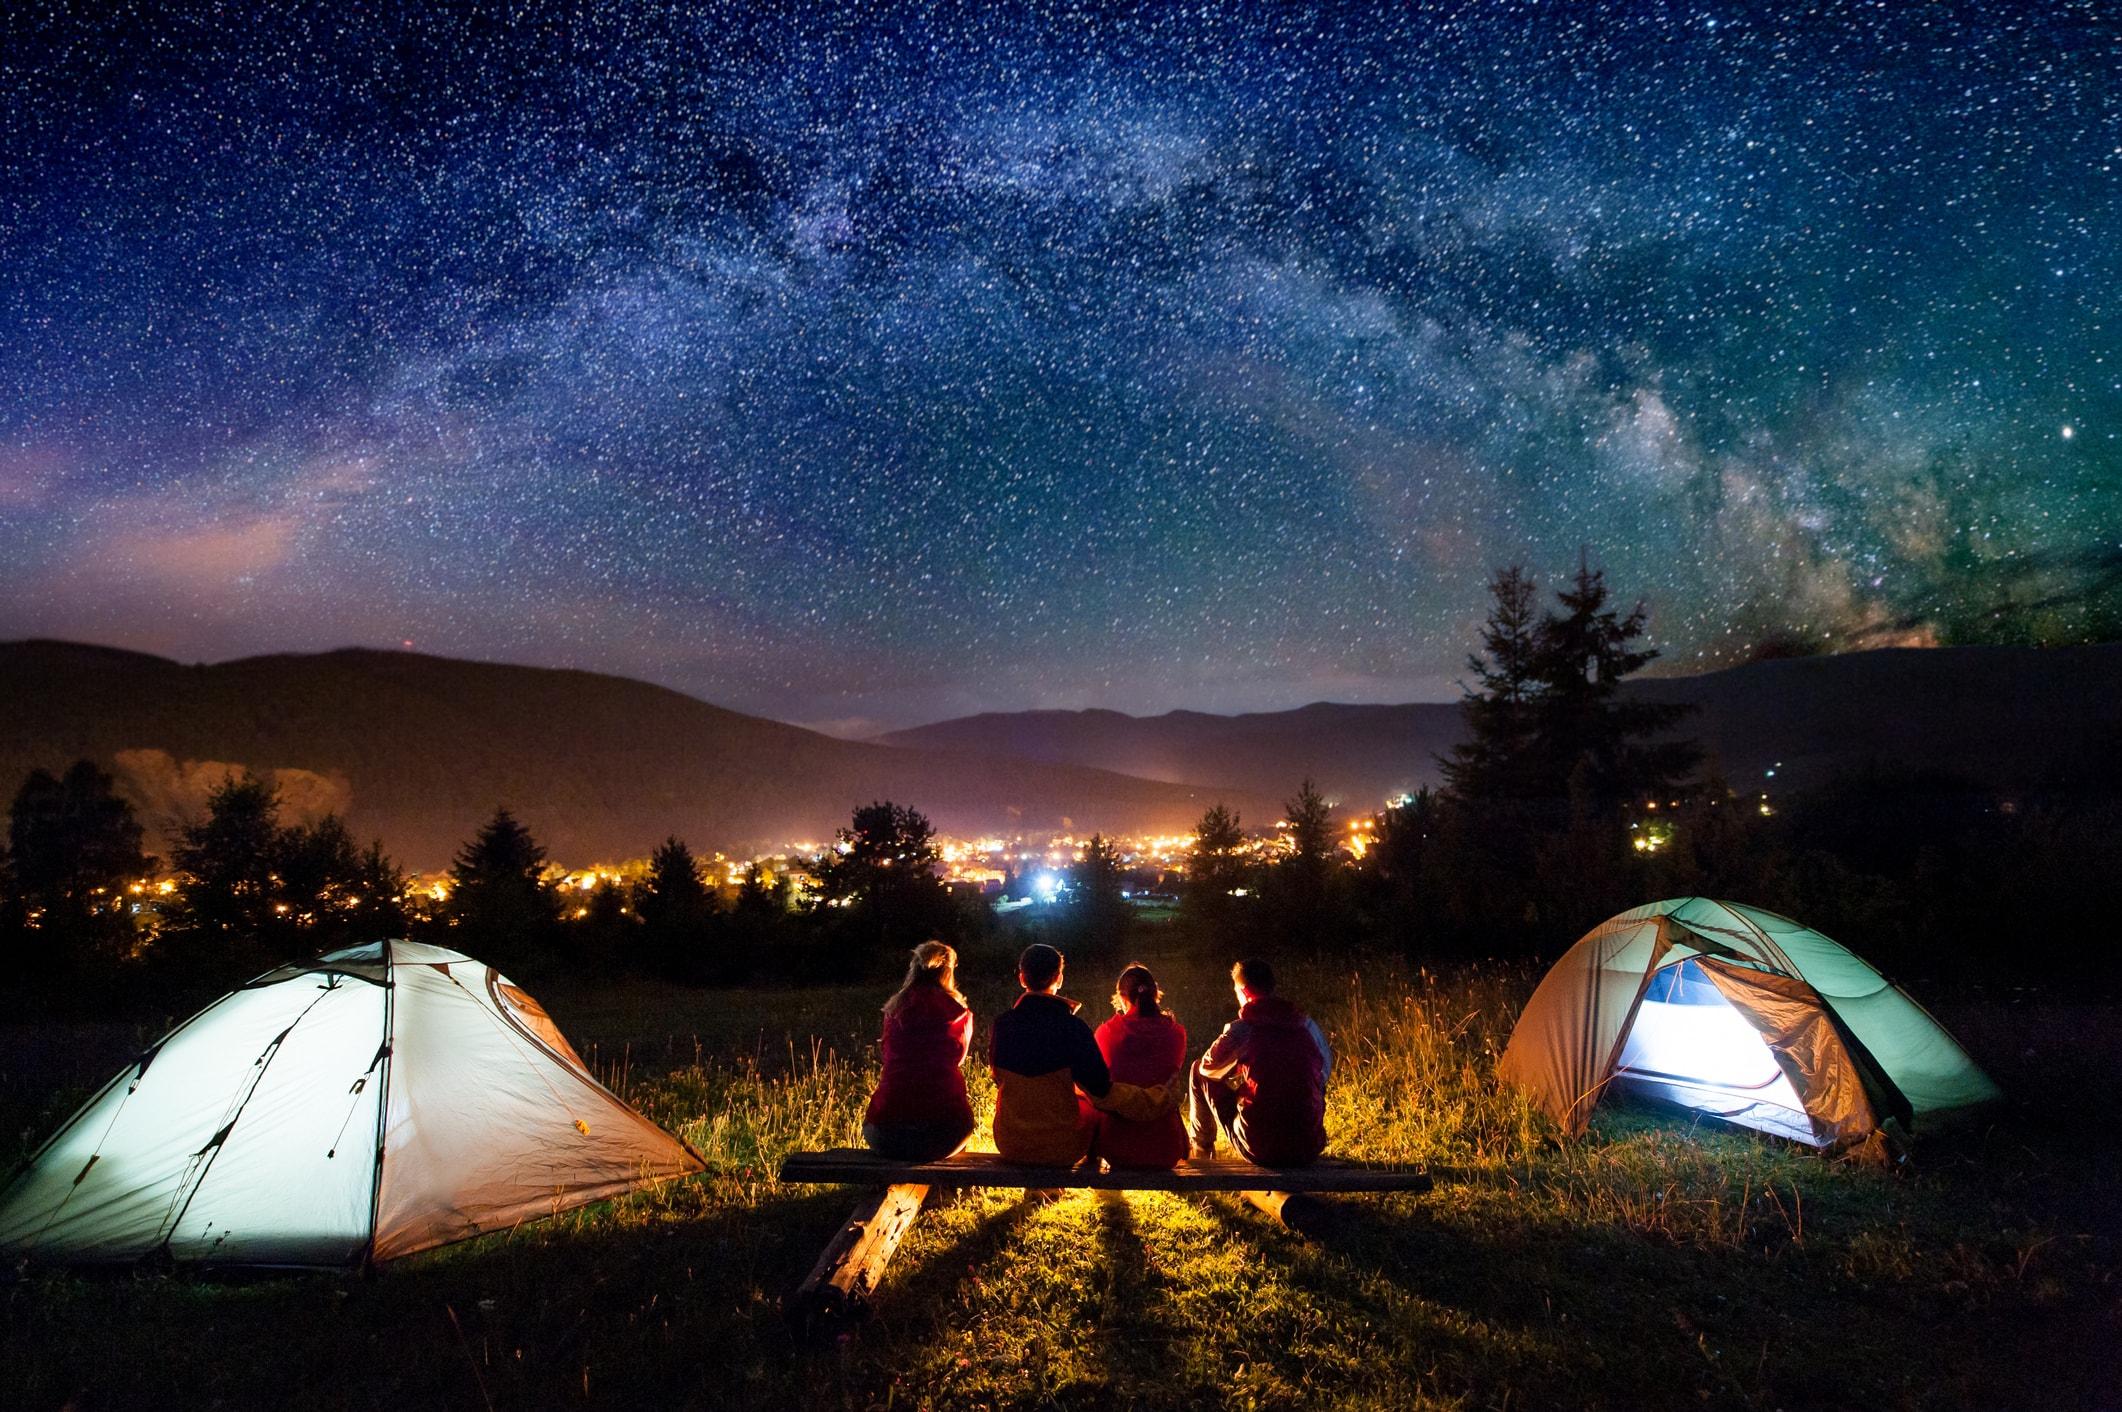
(872, 370)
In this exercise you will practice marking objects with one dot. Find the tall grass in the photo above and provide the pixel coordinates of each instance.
(1648, 1262)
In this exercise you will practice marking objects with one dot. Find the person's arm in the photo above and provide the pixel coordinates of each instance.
(1326, 1055)
(961, 1030)
(1086, 1065)
(1227, 1052)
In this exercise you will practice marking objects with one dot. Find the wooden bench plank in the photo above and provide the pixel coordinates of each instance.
(856, 1167)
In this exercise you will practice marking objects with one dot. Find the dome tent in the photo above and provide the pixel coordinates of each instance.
(374, 1102)
(1740, 1014)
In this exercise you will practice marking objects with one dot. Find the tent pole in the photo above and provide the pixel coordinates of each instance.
(383, 1106)
(220, 1139)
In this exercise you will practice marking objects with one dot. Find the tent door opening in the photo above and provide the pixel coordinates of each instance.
(1690, 1047)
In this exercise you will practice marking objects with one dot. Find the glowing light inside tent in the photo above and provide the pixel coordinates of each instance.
(1689, 1046)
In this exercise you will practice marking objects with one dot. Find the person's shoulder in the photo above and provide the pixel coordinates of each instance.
(935, 999)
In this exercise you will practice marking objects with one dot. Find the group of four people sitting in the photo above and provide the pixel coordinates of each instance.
(1064, 1094)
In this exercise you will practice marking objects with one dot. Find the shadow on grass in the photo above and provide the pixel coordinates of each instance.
(1562, 1315)
(1133, 1332)
(927, 1283)
(679, 1306)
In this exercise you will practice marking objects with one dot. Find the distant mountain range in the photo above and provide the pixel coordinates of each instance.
(2009, 717)
(418, 751)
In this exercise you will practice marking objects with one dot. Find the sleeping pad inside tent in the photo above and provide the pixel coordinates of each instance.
(374, 1102)
(1739, 1014)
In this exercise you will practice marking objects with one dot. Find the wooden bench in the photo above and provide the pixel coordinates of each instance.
(852, 1264)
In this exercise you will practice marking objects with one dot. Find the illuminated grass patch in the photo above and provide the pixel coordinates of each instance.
(1652, 1263)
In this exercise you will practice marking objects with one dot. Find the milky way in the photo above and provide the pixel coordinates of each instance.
(872, 369)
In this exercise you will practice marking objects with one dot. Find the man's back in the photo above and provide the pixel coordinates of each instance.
(1278, 1061)
(1041, 1054)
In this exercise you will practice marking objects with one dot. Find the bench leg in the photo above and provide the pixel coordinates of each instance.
(847, 1272)
(1298, 1211)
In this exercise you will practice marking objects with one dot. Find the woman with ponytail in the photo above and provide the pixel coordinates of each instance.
(1142, 1045)
(919, 1112)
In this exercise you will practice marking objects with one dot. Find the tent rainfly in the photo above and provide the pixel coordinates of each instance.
(1739, 1014)
(374, 1102)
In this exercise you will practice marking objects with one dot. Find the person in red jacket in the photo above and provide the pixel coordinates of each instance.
(919, 1112)
(1142, 1045)
(1262, 1083)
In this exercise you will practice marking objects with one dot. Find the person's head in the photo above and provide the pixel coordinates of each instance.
(1039, 968)
(1137, 992)
(934, 965)
(1250, 979)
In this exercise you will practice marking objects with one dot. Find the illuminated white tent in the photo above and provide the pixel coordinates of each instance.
(378, 1101)
(1739, 1014)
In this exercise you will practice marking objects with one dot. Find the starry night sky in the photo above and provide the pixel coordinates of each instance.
(871, 370)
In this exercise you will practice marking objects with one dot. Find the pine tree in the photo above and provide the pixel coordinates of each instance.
(228, 868)
(498, 903)
(1497, 760)
(677, 917)
(1311, 830)
(603, 932)
(335, 894)
(1098, 917)
(379, 903)
(881, 879)
(1579, 718)
(73, 847)
(1304, 896)
(1218, 865)
(1397, 869)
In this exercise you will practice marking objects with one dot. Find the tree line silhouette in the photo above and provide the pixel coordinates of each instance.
(1564, 804)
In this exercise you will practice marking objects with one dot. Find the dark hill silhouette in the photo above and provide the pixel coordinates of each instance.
(418, 750)
(2007, 717)
(1360, 754)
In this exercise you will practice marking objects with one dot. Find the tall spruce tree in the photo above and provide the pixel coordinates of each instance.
(1311, 830)
(1498, 760)
(1302, 894)
(678, 917)
(1581, 722)
(1218, 864)
(499, 907)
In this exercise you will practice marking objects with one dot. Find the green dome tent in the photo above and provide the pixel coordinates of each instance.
(378, 1101)
(1740, 1014)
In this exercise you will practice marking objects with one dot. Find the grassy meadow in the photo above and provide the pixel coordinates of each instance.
(1652, 1263)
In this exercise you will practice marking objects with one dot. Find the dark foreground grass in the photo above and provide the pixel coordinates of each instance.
(1650, 1264)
